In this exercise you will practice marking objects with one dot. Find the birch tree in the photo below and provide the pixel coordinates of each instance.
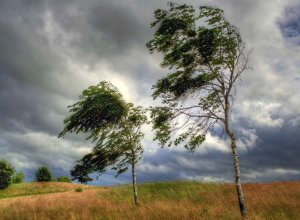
(205, 56)
(114, 126)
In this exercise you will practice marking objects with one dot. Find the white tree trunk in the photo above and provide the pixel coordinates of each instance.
(135, 194)
(238, 176)
(236, 163)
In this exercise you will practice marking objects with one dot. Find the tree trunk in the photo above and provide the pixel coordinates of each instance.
(135, 194)
(238, 176)
(236, 163)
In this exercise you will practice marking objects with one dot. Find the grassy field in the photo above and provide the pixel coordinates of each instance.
(25, 189)
(170, 200)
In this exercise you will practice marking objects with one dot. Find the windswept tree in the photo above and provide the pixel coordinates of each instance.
(114, 126)
(205, 56)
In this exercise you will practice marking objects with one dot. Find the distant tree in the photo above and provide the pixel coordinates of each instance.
(116, 131)
(205, 56)
(64, 179)
(43, 174)
(18, 177)
(6, 173)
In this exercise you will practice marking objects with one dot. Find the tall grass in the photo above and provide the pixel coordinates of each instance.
(179, 200)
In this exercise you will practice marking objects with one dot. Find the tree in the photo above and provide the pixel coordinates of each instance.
(117, 136)
(63, 179)
(18, 177)
(206, 57)
(80, 173)
(6, 173)
(43, 174)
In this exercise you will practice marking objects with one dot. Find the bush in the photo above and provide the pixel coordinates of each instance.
(18, 177)
(43, 174)
(6, 172)
(64, 179)
(78, 189)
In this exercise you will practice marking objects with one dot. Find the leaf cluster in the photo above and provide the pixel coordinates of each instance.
(80, 172)
(99, 107)
(116, 148)
(196, 53)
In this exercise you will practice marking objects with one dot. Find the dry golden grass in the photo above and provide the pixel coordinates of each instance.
(173, 200)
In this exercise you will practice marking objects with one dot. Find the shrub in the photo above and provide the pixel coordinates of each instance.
(18, 177)
(64, 179)
(6, 172)
(78, 189)
(43, 174)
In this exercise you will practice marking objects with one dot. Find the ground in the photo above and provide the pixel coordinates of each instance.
(178, 200)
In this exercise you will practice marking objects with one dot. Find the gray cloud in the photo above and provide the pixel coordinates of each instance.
(51, 50)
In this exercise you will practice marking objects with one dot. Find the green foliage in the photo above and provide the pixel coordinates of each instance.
(78, 189)
(113, 125)
(80, 173)
(64, 179)
(43, 174)
(161, 117)
(6, 173)
(205, 56)
(18, 177)
(117, 148)
(91, 112)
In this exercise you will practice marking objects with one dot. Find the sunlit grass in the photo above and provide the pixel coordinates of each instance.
(25, 189)
(170, 200)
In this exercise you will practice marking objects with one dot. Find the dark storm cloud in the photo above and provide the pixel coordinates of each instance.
(51, 50)
(290, 25)
(275, 154)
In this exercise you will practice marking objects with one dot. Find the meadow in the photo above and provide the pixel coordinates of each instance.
(179, 200)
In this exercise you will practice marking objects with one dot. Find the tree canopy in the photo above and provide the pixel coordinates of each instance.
(204, 54)
(99, 108)
(6, 173)
(43, 174)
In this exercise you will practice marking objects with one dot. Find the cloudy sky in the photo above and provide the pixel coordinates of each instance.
(51, 50)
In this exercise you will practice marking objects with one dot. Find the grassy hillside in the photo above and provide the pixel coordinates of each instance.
(171, 200)
(25, 189)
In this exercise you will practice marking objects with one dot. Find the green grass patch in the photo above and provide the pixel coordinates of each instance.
(168, 191)
(26, 189)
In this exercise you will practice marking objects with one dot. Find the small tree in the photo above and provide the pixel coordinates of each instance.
(64, 179)
(18, 177)
(6, 173)
(43, 174)
(205, 55)
(115, 131)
